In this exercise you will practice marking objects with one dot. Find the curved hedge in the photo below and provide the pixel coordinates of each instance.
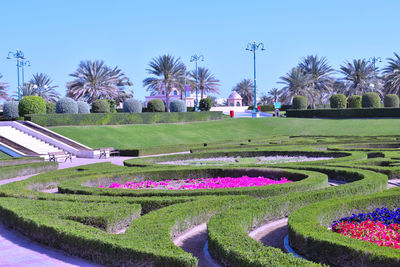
(308, 233)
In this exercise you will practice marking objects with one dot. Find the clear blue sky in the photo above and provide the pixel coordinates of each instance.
(56, 35)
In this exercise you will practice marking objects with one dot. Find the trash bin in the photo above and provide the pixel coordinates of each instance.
(259, 108)
(232, 113)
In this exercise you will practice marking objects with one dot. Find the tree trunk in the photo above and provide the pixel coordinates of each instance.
(202, 93)
(167, 99)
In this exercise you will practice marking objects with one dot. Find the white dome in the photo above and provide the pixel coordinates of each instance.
(234, 95)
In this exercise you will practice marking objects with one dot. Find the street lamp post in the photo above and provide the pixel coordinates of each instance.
(373, 60)
(21, 63)
(252, 47)
(196, 58)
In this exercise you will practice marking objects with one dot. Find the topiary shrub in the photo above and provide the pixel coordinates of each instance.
(50, 108)
(177, 106)
(101, 106)
(32, 104)
(354, 101)
(156, 105)
(205, 104)
(299, 102)
(66, 105)
(338, 101)
(132, 106)
(83, 107)
(391, 101)
(10, 110)
(112, 103)
(370, 100)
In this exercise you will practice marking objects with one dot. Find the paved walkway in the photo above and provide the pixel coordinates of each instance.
(17, 250)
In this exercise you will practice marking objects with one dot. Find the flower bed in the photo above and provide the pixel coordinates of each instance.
(380, 227)
(202, 183)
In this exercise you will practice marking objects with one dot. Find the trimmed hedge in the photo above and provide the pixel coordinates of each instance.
(14, 170)
(66, 105)
(155, 105)
(299, 102)
(101, 106)
(309, 235)
(121, 118)
(354, 101)
(50, 108)
(205, 104)
(132, 105)
(345, 113)
(338, 101)
(391, 101)
(264, 108)
(177, 106)
(83, 107)
(32, 104)
(10, 110)
(371, 100)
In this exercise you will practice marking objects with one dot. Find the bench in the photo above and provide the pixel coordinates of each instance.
(54, 156)
(108, 151)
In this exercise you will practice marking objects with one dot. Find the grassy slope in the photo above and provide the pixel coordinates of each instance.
(139, 136)
(3, 155)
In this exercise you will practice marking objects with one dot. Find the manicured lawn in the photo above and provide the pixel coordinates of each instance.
(140, 136)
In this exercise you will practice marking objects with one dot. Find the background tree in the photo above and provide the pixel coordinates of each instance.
(392, 75)
(360, 77)
(245, 88)
(3, 87)
(264, 99)
(207, 81)
(296, 82)
(41, 84)
(168, 74)
(274, 94)
(94, 80)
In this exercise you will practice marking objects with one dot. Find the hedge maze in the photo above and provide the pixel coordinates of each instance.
(125, 227)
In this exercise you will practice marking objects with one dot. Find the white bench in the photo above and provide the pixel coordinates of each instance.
(54, 156)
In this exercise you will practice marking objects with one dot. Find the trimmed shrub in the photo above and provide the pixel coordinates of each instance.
(132, 105)
(83, 107)
(370, 100)
(177, 106)
(101, 106)
(345, 113)
(354, 101)
(32, 104)
(299, 102)
(112, 103)
(50, 108)
(66, 105)
(205, 104)
(391, 101)
(155, 105)
(264, 108)
(338, 101)
(10, 109)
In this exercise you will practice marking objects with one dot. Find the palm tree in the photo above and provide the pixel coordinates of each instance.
(3, 87)
(296, 82)
(168, 74)
(206, 80)
(95, 80)
(320, 76)
(40, 85)
(245, 88)
(264, 99)
(392, 75)
(360, 77)
(274, 94)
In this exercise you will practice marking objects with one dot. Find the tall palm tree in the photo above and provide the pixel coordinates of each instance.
(206, 80)
(360, 77)
(41, 84)
(274, 94)
(245, 88)
(3, 87)
(264, 99)
(392, 75)
(296, 82)
(95, 80)
(320, 73)
(168, 74)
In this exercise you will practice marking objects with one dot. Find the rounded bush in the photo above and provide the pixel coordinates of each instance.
(205, 104)
(32, 104)
(50, 108)
(156, 105)
(391, 101)
(83, 107)
(101, 106)
(132, 105)
(338, 101)
(354, 101)
(10, 109)
(370, 100)
(299, 102)
(177, 106)
(66, 105)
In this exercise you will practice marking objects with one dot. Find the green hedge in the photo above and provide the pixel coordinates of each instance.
(345, 113)
(338, 101)
(299, 102)
(309, 236)
(121, 118)
(370, 100)
(354, 101)
(391, 101)
(264, 108)
(13, 170)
